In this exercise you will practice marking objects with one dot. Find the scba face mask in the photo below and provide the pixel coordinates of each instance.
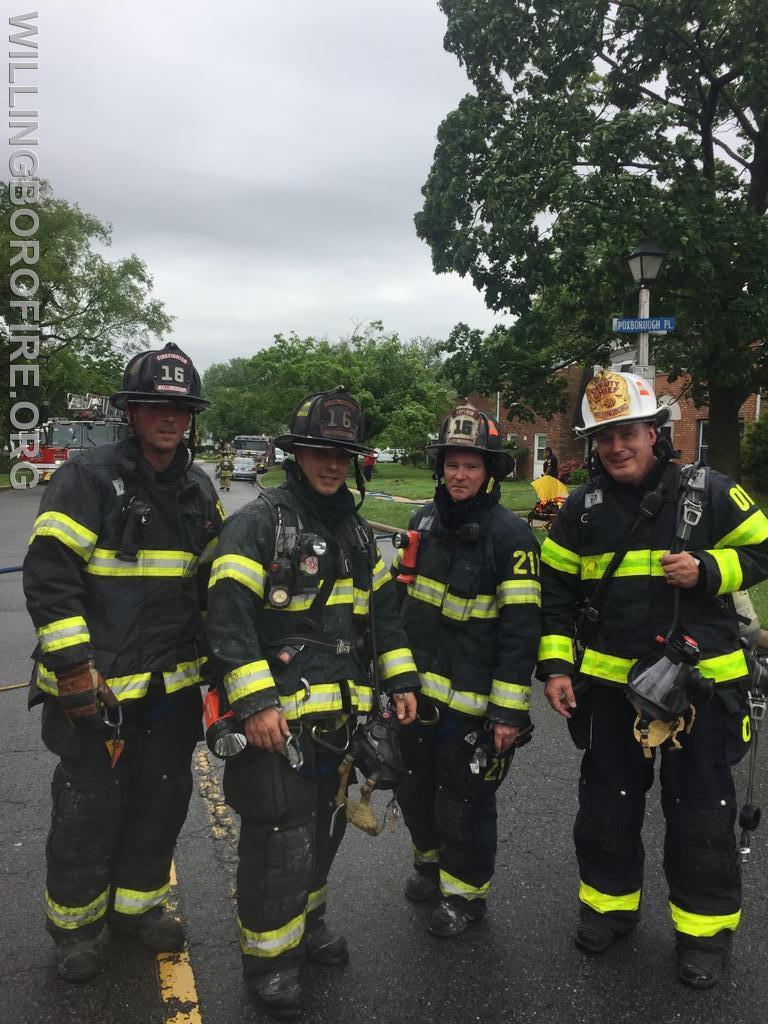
(661, 687)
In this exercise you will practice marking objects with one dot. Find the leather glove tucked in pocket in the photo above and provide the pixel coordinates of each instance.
(81, 688)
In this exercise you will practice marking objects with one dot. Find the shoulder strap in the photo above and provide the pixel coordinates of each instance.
(650, 507)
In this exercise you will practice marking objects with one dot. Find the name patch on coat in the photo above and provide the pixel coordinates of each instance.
(119, 485)
(593, 498)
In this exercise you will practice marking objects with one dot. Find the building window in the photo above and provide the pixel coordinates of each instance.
(702, 440)
(512, 438)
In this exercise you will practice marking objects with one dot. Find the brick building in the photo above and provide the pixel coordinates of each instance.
(687, 427)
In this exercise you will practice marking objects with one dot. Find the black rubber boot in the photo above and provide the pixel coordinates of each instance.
(700, 964)
(422, 887)
(324, 947)
(277, 992)
(156, 929)
(82, 959)
(596, 933)
(452, 917)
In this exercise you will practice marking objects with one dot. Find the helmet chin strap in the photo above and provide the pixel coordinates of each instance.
(360, 481)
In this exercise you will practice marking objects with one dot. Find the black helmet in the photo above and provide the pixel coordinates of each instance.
(165, 374)
(329, 419)
(471, 428)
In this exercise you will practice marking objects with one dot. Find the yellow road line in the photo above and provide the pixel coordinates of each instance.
(177, 981)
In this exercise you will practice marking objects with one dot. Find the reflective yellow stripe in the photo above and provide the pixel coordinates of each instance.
(752, 531)
(702, 925)
(63, 633)
(395, 663)
(361, 602)
(134, 901)
(555, 646)
(439, 688)
(519, 592)
(76, 917)
(186, 673)
(380, 575)
(220, 510)
(241, 569)
(104, 562)
(255, 677)
(327, 698)
(425, 856)
(427, 590)
(68, 531)
(603, 903)
(510, 695)
(557, 557)
(132, 687)
(643, 562)
(342, 593)
(450, 885)
(724, 667)
(316, 899)
(274, 942)
(731, 576)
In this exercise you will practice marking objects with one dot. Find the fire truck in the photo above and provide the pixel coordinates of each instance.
(258, 446)
(92, 420)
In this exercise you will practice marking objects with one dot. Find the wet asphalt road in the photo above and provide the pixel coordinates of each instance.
(517, 965)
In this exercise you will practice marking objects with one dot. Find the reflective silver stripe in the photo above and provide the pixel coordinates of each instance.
(274, 942)
(316, 899)
(68, 531)
(462, 608)
(104, 562)
(63, 633)
(395, 663)
(251, 678)
(76, 917)
(243, 570)
(519, 592)
(186, 673)
(361, 602)
(427, 590)
(134, 901)
(439, 688)
(450, 885)
(510, 695)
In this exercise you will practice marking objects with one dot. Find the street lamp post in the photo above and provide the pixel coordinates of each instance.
(644, 263)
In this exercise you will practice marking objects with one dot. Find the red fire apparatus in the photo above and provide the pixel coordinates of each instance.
(92, 420)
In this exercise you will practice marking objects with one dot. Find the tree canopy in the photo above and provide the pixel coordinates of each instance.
(93, 312)
(595, 124)
(398, 384)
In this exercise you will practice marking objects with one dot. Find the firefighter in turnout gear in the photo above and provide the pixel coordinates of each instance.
(637, 574)
(113, 588)
(226, 468)
(296, 591)
(471, 602)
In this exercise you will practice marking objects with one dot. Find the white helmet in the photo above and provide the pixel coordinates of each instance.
(612, 397)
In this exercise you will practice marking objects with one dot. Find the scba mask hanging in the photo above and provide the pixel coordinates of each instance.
(661, 687)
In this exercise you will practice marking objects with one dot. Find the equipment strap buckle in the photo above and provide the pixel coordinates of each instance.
(692, 511)
(343, 647)
(757, 707)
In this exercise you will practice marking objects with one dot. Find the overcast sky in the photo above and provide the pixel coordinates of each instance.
(264, 158)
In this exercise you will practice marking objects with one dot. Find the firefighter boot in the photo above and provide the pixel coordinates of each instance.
(700, 967)
(422, 886)
(324, 947)
(156, 929)
(453, 916)
(277, 992)
(597, 932)
(80, 959)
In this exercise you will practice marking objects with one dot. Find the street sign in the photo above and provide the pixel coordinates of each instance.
(641, 325)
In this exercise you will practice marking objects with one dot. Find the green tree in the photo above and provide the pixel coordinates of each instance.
(594, 124)
(386, 375)
(93, 312)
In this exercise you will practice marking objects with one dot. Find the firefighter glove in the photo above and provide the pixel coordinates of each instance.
(80, 688)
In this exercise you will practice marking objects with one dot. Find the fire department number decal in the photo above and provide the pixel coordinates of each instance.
(497, 770)
(740, 498)
(526, 563)
(346, 418)
(178, 373)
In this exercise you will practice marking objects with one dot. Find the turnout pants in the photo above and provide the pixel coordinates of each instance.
(699, 803)
(113, 830)
(450, 811)
(286, 848)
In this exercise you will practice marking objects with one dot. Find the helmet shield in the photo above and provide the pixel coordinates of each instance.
(329, 419)
(165, 374)
(471, 428)
(612, 398)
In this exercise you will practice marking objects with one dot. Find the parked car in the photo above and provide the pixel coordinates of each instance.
(279, 456)
(245, 468)
(385, 455)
